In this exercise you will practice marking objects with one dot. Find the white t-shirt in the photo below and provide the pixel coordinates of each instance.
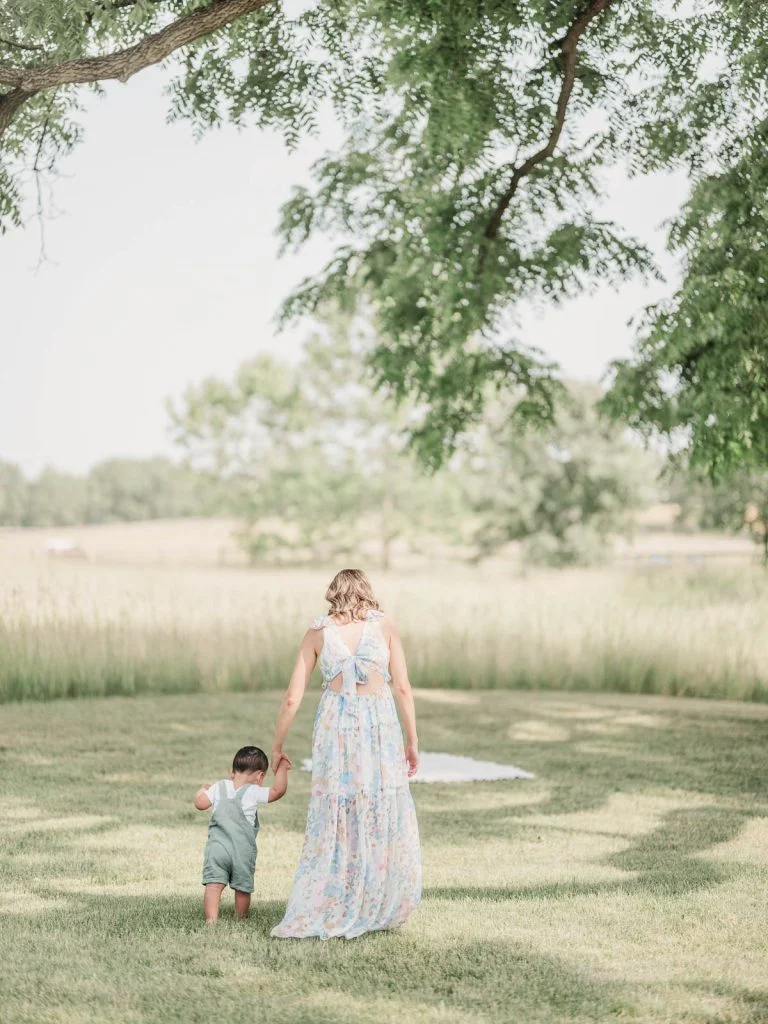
(253, 796)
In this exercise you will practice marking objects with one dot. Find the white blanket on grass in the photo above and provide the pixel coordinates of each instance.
(454, 768)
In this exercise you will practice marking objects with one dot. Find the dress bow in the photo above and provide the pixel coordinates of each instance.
(354, 671)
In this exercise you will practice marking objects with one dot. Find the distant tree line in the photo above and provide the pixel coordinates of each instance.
(116, 490)
(315, 463)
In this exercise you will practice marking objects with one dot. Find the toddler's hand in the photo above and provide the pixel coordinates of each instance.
(284, 757)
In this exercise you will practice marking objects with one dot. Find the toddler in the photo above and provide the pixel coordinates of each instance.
(230, 853)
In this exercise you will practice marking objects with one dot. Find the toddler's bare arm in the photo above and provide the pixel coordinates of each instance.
(202, 801)
(279, 787)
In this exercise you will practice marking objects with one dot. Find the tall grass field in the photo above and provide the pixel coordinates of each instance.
(102, 627)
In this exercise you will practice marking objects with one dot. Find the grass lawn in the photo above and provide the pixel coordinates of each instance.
(627, 883)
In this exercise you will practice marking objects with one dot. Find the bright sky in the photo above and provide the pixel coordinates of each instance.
(165, 271)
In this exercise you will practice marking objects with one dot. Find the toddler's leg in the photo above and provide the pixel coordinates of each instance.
(211, 901)
(242, 904)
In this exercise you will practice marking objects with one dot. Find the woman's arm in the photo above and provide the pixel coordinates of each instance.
(302, 670)
(401, 686)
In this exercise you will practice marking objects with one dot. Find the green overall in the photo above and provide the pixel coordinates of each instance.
(230, 853)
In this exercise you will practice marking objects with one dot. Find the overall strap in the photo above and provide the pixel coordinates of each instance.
(239, 797)
(222, 788)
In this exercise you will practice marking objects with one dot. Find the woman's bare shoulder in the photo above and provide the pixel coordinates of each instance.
(388, 626)
(313, 638)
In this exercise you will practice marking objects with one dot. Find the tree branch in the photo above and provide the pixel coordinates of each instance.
(10, 104)
(32, 47)
(569, 49)
(122, 64)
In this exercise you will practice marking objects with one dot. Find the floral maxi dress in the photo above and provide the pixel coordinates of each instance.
(360, 867)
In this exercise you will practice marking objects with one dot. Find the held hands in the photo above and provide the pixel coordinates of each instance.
(278, 756)
(412, 757)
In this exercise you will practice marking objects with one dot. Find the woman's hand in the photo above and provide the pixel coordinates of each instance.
(277, 756)
(412, 757)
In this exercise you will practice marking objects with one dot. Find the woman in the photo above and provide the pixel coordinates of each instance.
(360, 868)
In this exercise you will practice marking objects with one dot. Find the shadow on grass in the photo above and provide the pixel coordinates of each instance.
(750, 1006)
(130, 915)
(313, 981)
(337, 982)
(662, 862)
(501, 978)
(720, 757)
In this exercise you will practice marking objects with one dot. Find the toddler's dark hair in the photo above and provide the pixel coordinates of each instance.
(250, 759)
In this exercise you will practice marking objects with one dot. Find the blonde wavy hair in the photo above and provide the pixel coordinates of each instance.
(350, 596)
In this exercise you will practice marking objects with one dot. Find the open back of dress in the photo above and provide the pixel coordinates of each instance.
(354, 660)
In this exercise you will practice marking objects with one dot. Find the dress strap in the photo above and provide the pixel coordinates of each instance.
(320, 622)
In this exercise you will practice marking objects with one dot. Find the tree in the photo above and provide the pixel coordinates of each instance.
(13, 495)
(565, 492)
(315, 461)
(700, 374)
(56, 499)
(128, 490)
(475, 135)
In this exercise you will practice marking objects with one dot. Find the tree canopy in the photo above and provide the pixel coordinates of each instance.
(475, 132)
(700, 373)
